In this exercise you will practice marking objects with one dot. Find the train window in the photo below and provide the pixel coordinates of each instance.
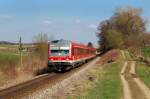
(59, 52)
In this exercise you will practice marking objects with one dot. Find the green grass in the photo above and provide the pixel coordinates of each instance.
(7, 59)
(8, 46)
(143, 72)
(108, 85)
(8, 56)
(146, 51)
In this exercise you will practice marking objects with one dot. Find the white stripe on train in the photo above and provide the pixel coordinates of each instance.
(74, 61)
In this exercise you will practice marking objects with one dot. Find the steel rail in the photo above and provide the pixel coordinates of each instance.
(12, 89)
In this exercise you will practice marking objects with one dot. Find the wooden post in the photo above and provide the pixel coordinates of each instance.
(20, 50)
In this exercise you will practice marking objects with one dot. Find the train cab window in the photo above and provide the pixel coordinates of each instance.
(59, 52)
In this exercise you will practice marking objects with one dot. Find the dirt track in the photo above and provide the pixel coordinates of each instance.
(133, 87)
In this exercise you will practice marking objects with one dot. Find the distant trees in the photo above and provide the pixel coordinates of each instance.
(90, 44)
(124, 29)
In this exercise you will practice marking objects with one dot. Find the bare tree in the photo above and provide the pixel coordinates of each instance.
(41, 45)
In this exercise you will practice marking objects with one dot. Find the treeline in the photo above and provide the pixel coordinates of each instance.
(125, 29)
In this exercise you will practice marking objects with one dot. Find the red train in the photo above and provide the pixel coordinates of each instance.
(64, 55)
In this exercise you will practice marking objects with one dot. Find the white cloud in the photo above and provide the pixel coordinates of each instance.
(47, 22)
(92, 26)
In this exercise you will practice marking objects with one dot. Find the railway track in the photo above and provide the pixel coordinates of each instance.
(12, 89)
(39, 83)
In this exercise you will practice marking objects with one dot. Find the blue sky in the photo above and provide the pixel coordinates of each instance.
(75, 20)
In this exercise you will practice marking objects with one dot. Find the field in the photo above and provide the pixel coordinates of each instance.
(8, 59)
(8, 55)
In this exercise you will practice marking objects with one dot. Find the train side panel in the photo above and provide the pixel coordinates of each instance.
(77, 54)
(81, 53)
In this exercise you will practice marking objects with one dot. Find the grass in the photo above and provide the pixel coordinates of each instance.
(146, 51)
(8, 63)
(8, 59)
(10, 68)
(108, 85)
(143, 72)
(8, 46)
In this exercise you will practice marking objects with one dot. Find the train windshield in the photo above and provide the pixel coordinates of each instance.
(59, 52)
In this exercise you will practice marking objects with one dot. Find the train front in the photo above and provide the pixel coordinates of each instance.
(60, 55)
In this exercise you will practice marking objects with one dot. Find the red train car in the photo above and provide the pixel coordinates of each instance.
(64, 55)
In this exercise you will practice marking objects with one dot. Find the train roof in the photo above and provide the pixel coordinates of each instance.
(61, 41)
(66, 43)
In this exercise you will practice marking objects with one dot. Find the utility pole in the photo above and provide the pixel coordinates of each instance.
(20, 50)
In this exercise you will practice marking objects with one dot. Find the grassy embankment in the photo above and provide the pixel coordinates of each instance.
(142, 70)
(107, 85)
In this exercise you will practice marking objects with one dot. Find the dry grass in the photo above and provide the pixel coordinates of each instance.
(33, 63)
(12, 73)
